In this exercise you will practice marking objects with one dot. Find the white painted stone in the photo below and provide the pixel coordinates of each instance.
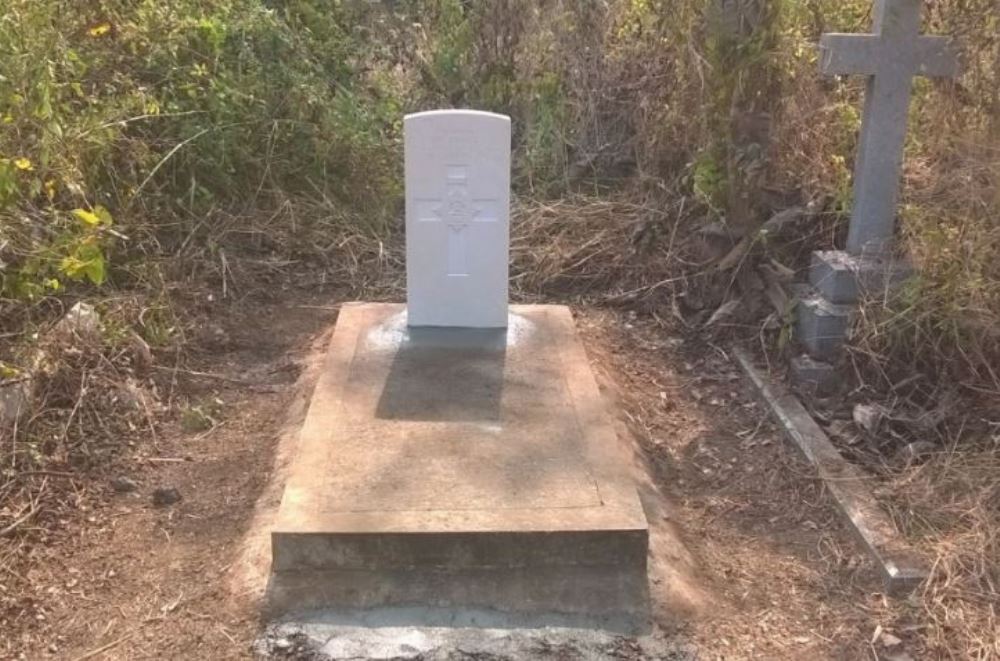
(457, 218)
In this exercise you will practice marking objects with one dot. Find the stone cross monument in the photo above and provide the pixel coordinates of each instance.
(457, 216)
(890, 57)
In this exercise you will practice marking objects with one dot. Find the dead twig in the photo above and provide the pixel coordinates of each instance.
(17, 523)
(203, 375)
(104, 648)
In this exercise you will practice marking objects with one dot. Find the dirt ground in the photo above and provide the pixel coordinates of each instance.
(748, 559)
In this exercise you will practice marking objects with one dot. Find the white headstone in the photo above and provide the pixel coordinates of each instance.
(457, 218)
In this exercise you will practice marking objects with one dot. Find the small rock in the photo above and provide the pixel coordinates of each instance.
(15, 398)
(888, 640)
(915, 451)
(844, 431)
(81, 322)
(164, 496)
(869, 417)
(282, 644)
(123, 484)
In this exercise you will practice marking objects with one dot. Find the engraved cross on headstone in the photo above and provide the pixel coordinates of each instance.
(890, 57)
(457, 211)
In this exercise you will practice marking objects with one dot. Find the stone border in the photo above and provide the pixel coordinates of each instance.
(902, 571)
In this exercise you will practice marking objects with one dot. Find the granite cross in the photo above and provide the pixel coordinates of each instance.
(890, 57)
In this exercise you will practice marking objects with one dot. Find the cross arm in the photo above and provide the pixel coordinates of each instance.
(842, 54)
(936, 57)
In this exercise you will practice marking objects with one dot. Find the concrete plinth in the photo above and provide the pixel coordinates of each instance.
(834, 275)
(843, 279)
(822, 326)
(459, 468)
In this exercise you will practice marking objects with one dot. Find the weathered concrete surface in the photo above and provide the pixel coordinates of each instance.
(14, 400)
(427, 633)
(459, 467)
(834, 275)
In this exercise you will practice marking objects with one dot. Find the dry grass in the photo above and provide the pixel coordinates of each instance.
(950, 506)
(611, 249)
(86, 405)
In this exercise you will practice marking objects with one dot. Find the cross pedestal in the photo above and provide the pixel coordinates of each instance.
(890, 57)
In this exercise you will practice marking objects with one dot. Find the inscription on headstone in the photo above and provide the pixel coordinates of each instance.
(890, 57)
(457, 218)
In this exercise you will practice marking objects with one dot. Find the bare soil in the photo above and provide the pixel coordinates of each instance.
(749, 558)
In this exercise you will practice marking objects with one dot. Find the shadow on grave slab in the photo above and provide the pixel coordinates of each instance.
(446, 375)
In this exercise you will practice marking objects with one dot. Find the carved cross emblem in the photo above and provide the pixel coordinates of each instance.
(457, 210)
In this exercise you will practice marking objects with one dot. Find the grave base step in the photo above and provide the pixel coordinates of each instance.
(618, 592)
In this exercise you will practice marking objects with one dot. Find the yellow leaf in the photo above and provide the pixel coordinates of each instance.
(99, 30)
(88, 217)
(99, 216)
(23, 164)
(103, 214)
(50, 189)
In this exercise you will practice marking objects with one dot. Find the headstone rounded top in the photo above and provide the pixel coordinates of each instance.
(483, 114)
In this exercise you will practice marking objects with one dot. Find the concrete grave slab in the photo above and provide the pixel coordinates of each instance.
(459, 467)
(427, 634)
(457, 217)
